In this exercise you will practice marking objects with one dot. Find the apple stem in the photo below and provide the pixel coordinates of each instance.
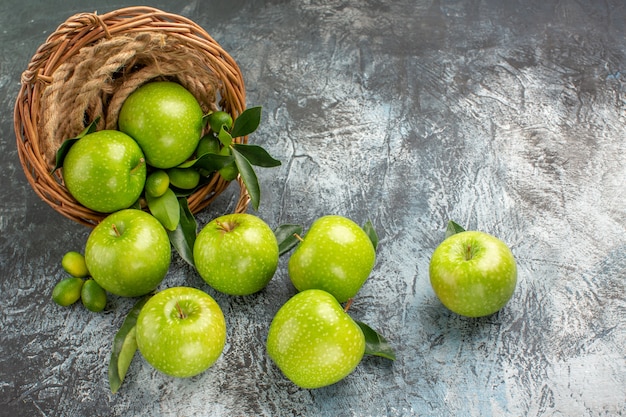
(348, 304)
(116, 230)
(139, 165)
(468, 254)
(297, 236)
(227, 226)
(181, 313)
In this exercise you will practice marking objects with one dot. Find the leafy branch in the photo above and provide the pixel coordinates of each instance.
(218, 154)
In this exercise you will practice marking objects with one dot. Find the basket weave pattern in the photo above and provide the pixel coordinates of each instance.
(88, 67)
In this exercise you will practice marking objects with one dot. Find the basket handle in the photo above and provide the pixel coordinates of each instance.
(49, 53)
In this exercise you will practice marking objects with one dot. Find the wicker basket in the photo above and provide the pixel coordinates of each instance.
(86, 69)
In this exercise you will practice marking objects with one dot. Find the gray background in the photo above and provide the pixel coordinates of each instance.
(507, 117)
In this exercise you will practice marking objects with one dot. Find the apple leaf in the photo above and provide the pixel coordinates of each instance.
(375, 344)
(184, 236)
(249, 177)
(286, 237)
(67, 144)
(165, 208)
(209, 161)
(124, 347)
(453, 228)
(257, 155)
(371, 233)
(247, 122)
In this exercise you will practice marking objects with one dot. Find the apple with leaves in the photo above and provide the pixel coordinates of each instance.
(473, 273)
(336, 255)
(313, 341)
(128, 253)
(181, 331)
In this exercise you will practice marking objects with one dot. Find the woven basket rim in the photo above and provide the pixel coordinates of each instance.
(84, 30)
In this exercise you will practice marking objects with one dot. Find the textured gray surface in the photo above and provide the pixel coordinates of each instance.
(508, 117)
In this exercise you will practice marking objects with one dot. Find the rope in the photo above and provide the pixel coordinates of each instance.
(96, 82)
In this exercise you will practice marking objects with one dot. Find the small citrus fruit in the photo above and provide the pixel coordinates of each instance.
(93, 296)
(74, 264)
(208, 144)
(230, 171)
(67, 291)
(185, 178)
(157, 183)
(217, 119)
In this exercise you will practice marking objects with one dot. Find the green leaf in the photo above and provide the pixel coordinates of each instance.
(209, 161)
(62, 152)
(225, 137)
(247, 122)
(249, 178)
(257, 155)
(371, 233)
(453, 229)
(165, 208)
(67, 144)
(286, 237)
(184, 236)
(375, 344)
(124, 347)
(127, 352)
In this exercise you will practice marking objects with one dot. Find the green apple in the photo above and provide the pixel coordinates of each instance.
(128, 253)
(165, 119)
(181, 331)
(236, 254)
(313, 341)
(335, 255)
(473, 273)
(105, 171)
